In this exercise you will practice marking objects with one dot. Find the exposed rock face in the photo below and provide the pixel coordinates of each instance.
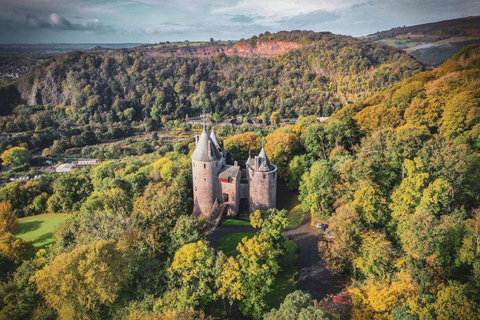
(242, 49)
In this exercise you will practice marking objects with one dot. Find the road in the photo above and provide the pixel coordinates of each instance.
(313, 277)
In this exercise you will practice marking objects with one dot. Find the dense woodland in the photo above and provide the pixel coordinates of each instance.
(82, 98)
(395, 177)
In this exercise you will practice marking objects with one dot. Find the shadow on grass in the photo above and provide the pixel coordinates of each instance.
(44, 238)
(29, 226)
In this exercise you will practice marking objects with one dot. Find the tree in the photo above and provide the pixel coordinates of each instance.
(187, 229)
(371, 206)
(13, 251)
(407, 196)
(275, 118)
(345, 228)
(243, 144)
(378, 117)
(192, 270)
(453, 302)
(8, 219)
(16, 157)
(297, 167)
(271, 224)
(376, 255)
(297, 306)
(156, 212)
(19, 299)
(317, 190)
(249, 278)
(281, 147)
(377, 299)
(470, 250)
(70, 190)
(84, 283)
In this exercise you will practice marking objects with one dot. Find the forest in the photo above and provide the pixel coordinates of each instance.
(393, 174)
(83, 98)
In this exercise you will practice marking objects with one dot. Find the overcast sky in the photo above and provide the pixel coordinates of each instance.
(149, 21)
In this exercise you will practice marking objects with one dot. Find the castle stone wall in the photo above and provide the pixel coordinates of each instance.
(262, 189)
(206, 188)
(232, 189)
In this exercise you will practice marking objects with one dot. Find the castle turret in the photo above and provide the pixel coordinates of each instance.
(262, 177)
(207, 162)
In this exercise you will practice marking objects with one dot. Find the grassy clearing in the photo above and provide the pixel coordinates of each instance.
(38, 229)
(234, 222)
(228, 244)
(285, 283)
(295, 217)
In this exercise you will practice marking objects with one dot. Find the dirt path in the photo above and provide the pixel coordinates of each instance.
(313, 277)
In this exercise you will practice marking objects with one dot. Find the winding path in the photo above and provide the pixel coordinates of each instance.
(313, 277)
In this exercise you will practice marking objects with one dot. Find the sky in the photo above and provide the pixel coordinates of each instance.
(153, 21)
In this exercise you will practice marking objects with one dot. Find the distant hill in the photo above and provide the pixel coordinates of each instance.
(432, 43)
(445, 100)
(296, 73)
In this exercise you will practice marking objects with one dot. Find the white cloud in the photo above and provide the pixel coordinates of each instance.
(276, 10)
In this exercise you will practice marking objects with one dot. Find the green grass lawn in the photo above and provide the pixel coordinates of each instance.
(234, 222)
(295, 217)
(228, 244)
(38, 229)
(284, 283)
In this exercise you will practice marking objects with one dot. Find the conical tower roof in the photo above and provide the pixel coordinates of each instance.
(202, 152)
(217, 143)
(264, 164)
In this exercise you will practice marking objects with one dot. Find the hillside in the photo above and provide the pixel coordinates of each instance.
(320, 75)
(432, 43)
(445, 100)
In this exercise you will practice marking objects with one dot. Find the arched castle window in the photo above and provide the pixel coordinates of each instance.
(204, 166)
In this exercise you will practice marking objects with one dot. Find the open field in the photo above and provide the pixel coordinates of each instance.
(39, 229)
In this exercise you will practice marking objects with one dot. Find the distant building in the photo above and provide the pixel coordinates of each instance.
(65, 167)
(220, 182)
(84, 163)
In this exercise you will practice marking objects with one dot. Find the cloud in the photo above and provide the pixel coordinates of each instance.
(166, 28)
(272, 11)
(56, 22)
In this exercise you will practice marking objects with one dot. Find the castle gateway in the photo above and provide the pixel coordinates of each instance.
(220, 182)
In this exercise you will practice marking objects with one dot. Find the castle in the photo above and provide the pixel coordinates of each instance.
(220, 183)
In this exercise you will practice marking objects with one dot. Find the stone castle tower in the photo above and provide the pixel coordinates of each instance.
(262, 177)
(220, 183)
